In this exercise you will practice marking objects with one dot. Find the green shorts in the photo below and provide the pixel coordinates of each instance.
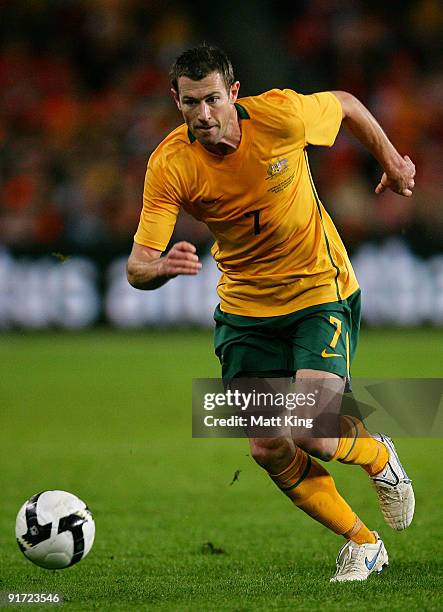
(322, 337)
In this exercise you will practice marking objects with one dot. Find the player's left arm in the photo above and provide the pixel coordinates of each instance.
(399, 171)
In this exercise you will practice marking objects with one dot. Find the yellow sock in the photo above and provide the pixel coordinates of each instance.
(358, 447)
(312, 489)
(360, 534)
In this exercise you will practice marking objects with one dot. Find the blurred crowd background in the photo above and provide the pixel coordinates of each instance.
(85, 100)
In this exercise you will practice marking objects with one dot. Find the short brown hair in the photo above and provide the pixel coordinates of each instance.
(198, 62)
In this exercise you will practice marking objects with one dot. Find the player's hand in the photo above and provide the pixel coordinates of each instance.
(401, 180)
(181, 259)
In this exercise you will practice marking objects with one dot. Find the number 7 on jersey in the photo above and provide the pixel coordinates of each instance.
(256, 215)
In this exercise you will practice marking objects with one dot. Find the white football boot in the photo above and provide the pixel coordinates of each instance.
(358, 561)
(394, 489)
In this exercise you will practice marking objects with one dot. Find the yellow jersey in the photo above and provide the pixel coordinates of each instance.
(276, 247)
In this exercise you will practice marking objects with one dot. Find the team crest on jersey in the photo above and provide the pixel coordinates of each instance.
(278, 166)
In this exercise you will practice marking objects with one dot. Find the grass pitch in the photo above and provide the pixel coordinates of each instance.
(107, 416)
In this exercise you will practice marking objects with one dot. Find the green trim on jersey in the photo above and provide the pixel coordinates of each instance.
(241, 111)
(318, 203)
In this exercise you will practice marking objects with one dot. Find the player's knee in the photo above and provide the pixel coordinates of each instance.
(321, 448)
(272, 454)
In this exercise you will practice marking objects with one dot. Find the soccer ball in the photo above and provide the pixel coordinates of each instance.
(54, 529)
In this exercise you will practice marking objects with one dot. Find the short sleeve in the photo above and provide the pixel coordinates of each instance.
(321, 114)
(160, 209)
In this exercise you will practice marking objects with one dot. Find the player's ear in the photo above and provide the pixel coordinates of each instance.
(176, 98)
(233, 93)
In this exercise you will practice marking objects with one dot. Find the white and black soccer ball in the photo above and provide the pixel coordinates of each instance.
(55, 529)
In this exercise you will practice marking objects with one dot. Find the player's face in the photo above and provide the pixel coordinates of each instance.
(207, 107)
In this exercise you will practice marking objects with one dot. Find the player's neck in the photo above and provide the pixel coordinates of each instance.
(231, 140)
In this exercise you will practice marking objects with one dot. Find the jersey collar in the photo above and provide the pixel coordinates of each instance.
(241, 111)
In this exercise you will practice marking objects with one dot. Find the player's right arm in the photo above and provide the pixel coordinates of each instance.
(164, 190)
(146, 268)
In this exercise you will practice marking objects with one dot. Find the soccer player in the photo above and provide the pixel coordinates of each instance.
(289, 298)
